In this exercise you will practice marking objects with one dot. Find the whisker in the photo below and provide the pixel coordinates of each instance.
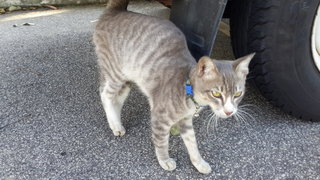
(246, 114)
(248, 106)
(236, 117)
(209, 121)
(242, 117)
(216, 123)
(212, 122)
(246, 109)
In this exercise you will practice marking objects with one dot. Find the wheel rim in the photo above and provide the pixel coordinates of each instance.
(315, 39)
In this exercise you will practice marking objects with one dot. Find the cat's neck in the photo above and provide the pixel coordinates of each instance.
(191, 102)
(192, 79)
(192, 75)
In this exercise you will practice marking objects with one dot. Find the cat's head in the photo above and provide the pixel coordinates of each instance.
(221, 84)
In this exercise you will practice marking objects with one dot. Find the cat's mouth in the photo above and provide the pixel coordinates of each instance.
(224, 114)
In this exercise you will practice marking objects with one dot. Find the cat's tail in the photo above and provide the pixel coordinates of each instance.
(117, 4)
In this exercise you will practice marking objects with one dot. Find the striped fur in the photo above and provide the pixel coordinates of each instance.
(152, 53)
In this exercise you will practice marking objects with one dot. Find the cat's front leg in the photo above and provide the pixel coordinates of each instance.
(189, 139)
(160, 137)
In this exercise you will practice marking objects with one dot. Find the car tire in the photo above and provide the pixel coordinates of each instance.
(283, 69)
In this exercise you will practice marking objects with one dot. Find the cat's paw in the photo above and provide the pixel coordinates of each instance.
(169, 164)
(203, 167)
(119, 131)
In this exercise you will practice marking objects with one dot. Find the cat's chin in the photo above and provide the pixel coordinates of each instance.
(223, 116)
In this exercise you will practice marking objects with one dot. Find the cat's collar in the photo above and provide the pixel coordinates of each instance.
(190, 94)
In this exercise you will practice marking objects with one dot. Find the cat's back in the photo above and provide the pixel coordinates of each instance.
(141, 47)
(121, 23)
(137, 39)
(133, 32)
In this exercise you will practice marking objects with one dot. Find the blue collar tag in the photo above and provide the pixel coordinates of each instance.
(189, 89)
(189, 93)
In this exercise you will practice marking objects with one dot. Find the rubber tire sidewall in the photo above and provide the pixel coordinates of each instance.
(284, 68)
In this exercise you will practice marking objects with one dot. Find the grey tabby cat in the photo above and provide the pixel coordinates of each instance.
(153, 53)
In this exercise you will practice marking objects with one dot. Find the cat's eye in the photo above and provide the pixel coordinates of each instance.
(238, 94)
(216, 94)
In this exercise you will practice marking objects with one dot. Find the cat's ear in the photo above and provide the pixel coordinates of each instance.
(206, 68)
(241, 65)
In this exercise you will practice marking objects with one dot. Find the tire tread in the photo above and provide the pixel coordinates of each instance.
(258, 30)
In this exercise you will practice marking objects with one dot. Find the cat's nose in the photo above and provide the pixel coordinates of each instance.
(228, 113)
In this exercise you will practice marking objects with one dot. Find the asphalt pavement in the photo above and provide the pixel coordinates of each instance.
(52, 125)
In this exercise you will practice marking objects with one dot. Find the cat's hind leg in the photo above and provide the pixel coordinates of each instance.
(113, 96)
